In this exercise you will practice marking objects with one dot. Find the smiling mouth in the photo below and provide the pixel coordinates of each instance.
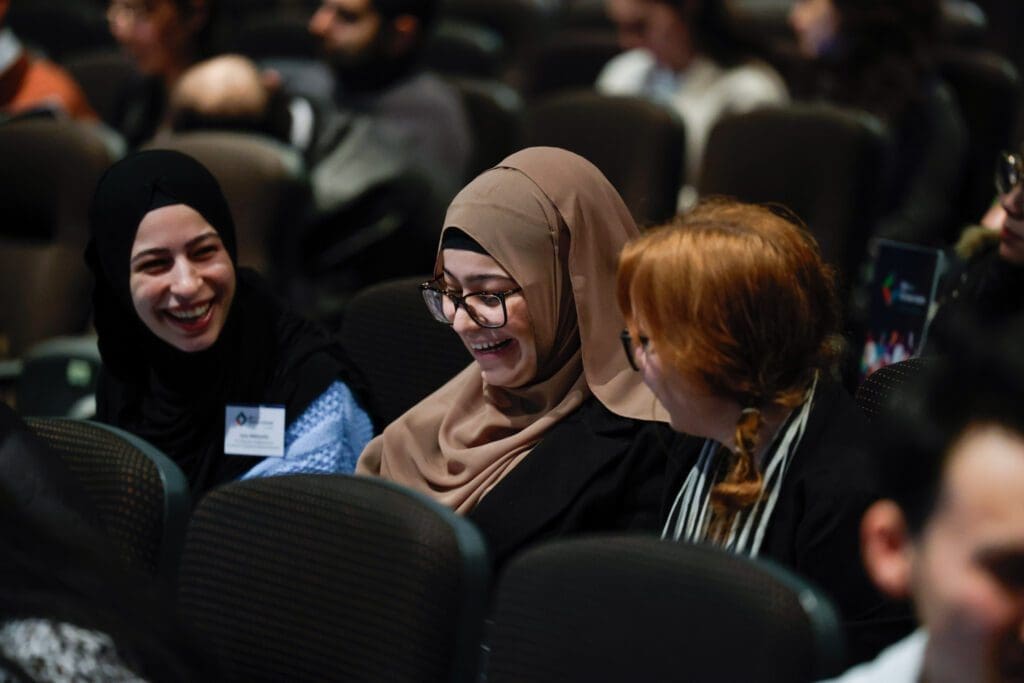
(188, 314)
(491, 347)
(194, 319)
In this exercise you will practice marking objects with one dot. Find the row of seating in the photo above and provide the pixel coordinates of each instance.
(331, 577)
(313, 577)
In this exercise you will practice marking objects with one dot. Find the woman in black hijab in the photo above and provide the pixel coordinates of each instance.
(190, 343)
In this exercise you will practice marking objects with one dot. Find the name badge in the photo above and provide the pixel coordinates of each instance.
(254, 430)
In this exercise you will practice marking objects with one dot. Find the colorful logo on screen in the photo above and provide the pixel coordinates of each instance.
(903, 293)
(887, 284)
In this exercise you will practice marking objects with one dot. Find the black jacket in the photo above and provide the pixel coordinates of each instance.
(815, 528)
(595, 471)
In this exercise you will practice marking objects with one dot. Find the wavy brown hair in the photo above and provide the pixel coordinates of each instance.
(738, 300)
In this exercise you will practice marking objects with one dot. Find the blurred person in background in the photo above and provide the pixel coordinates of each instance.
(374, 48)
(683, 53)
(229, 92)
(163, 38)
(875, 55)
(986, 282)
(28, 83)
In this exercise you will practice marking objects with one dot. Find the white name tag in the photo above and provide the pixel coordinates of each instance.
(254, 430)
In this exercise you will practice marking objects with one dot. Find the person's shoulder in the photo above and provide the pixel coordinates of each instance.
(625, 73)
(899, 663)
(755, 82)
(632, 437)
(839, 438)
(46, 80)
(424, 89)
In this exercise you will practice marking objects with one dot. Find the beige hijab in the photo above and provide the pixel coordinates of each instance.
(553, 221)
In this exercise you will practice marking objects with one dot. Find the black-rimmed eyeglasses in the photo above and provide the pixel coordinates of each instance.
(1009, 171)
(486, 309)
(630, 348)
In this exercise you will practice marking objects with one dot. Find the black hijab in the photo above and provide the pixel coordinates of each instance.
(173, 399)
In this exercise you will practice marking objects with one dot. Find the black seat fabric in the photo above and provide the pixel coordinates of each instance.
(875, 392)
(640, 609)
(466, 49)
(403, 353)
(638, 145)
(520, 23)
(495, 113)
(824, 163)
(49, 171)
(103, 74)
(140, 495)
(333, 578)
(570, 59)
(44, 293)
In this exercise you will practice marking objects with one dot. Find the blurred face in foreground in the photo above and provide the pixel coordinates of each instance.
(967, 572)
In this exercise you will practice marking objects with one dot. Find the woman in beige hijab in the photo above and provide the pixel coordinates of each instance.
(549, 431)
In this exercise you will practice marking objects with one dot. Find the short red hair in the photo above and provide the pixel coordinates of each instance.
(737, 298)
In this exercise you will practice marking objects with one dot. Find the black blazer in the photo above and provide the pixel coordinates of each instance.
(815, 528)
(595, 471)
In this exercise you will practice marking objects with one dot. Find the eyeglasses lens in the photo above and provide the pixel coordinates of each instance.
(486, 310)
(1008, 172)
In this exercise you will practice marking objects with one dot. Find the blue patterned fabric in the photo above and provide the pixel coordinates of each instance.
(326, 439)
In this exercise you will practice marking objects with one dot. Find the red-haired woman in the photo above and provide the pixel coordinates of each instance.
(732, 321)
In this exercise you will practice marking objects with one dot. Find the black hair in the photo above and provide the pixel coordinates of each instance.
(454, 238)
(980, 381)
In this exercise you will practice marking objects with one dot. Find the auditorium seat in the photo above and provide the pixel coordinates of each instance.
(636, 608)
(103, 74)
(50, 170)
(876, 391)
(377, 325)
(140, 495)
(822, 162)
(495, 113)
(465, 49)
(638, 145)
(334, 578)
(569, 59)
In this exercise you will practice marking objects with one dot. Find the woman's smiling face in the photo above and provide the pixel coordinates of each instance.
(181, 278)
(507, 355)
